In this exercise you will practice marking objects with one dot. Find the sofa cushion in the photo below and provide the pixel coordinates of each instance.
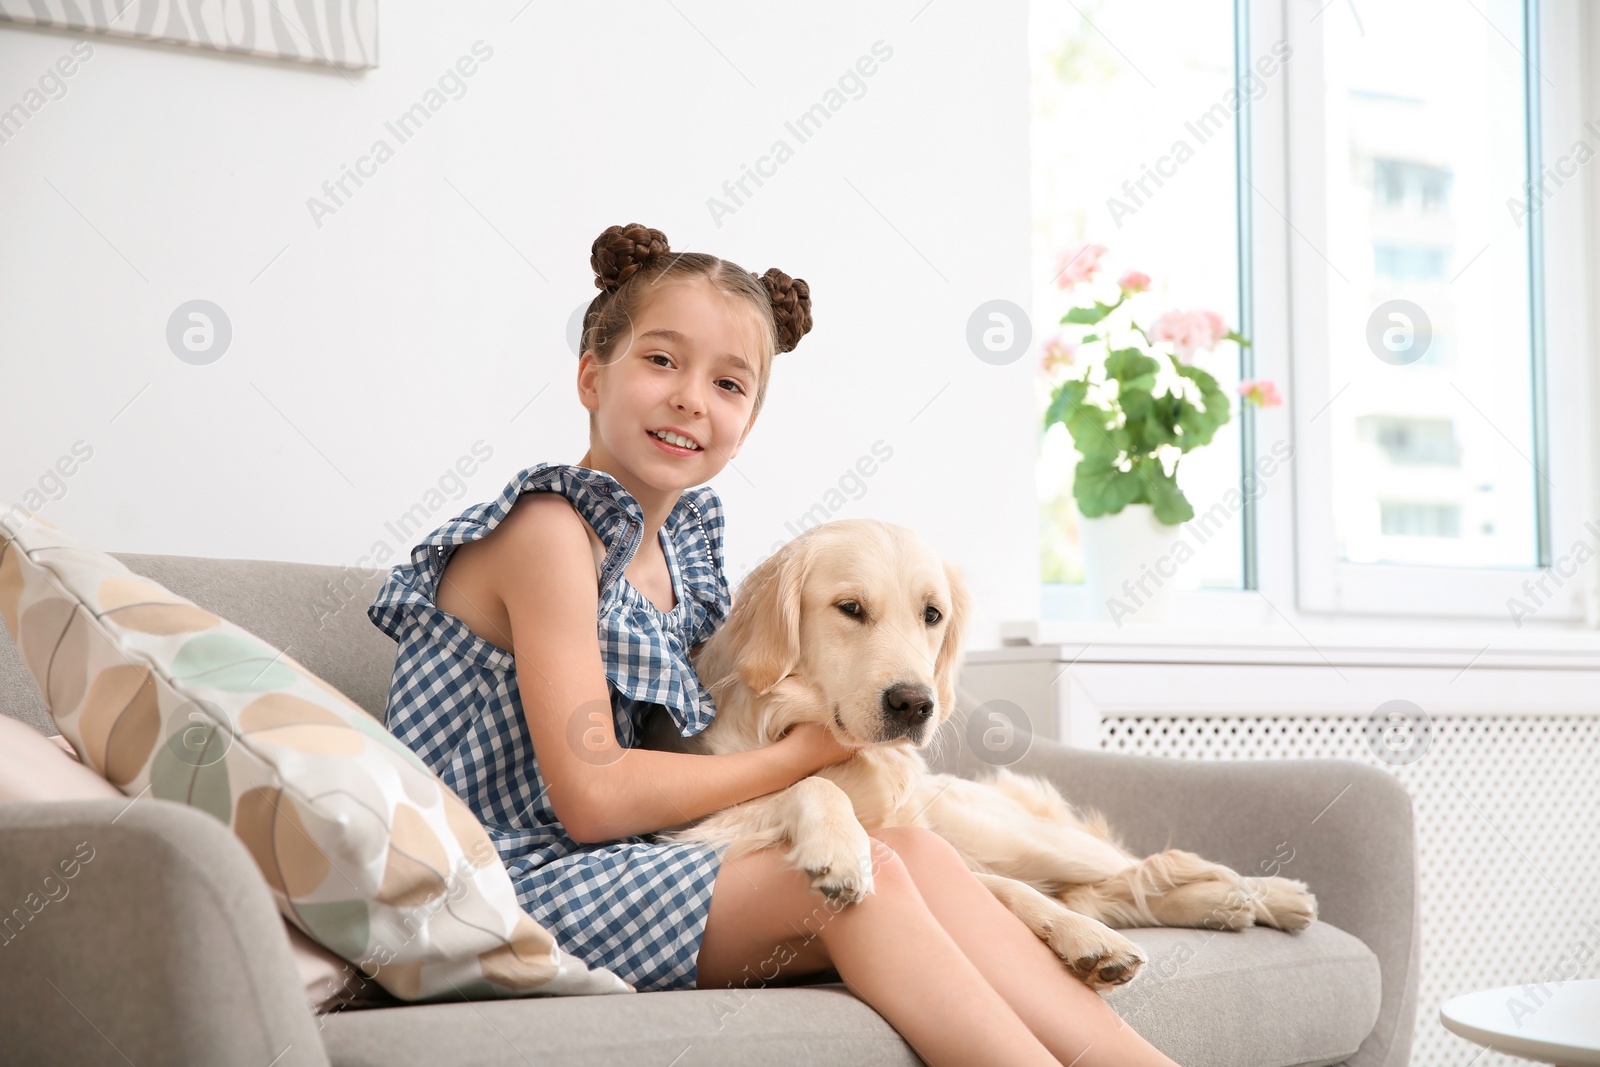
(1260, 996)
(1206, 999)
(37, 769)
(365, 850)
(821, 1025)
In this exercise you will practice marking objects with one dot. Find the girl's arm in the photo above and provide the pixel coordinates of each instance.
(601, 791)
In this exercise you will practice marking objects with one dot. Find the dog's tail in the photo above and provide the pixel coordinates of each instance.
(1040, 797)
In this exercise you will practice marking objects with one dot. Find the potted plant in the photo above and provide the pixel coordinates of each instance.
(1134, 402)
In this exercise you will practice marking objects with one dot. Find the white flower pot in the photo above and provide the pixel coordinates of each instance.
(1132, 565)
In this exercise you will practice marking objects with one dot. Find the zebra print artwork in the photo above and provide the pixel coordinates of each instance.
(340, 33)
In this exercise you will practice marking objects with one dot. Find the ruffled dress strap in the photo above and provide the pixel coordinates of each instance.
(645, 650)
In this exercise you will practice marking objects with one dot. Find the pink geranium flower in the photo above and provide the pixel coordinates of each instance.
(1078, 264)
(1189, 332)
(1134, 282)
(1058, 353)
(1261, 392)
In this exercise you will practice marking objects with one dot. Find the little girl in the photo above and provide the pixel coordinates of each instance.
(502, 687)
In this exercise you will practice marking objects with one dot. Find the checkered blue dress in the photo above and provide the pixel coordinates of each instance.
(633, 906)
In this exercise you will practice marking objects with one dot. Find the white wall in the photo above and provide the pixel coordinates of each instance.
(427, 311)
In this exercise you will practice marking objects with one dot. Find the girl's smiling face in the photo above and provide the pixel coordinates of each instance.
(689, 364)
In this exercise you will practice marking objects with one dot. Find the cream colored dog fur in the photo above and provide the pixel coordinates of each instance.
(858, 624)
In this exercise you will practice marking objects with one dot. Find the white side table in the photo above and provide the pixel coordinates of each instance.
(1558, 1022)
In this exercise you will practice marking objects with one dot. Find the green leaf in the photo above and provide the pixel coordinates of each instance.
(1136, 401)
(1089, 316)
(1200, 377)
(1068, 395)
(1190, 418)
(1200, 425)
(1197, 431)
(1126, 364)
(1159, 427)
(1093, 432)
(1101, 489)
(1231, 336)
(1168, 501)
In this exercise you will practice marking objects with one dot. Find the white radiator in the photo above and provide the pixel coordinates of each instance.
(1508, 837)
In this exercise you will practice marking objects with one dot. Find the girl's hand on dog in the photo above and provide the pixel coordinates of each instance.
(817, 746)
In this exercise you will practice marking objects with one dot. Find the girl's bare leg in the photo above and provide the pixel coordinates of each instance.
(1072, 1020)
(888, 948)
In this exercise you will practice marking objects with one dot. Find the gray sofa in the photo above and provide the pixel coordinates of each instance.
(173, 953)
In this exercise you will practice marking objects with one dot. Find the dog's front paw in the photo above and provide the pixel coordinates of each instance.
(1283, 902)
(1097, 954)
(839, 863)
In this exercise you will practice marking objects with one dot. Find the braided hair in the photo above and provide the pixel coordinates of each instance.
(629, 259)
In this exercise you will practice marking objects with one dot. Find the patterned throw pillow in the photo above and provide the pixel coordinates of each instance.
(364, 848)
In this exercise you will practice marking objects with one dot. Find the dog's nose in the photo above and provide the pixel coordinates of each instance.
(908, 704)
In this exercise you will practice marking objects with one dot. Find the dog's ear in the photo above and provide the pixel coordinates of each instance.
(947, 665)
(764, 631)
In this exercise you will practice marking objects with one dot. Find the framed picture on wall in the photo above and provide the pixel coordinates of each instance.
(339, 33)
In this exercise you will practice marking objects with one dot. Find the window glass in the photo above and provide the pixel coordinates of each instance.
(1430, 352)
(1133, 147)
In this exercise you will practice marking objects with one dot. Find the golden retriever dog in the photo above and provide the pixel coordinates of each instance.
(858, 624)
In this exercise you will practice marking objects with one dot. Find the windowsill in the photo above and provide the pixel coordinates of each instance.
(1436, 643)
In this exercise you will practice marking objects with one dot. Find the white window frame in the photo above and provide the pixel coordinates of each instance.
(1324, 584)
(1291, 574)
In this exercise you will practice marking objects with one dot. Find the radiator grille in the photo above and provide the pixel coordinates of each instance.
(1508, 840)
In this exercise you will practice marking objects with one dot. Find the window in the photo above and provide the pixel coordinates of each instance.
(1399, 223)
(1446, 128)
(1406, 185)
(1409, 262)
(1401, 518)
(1425, 243)
(1135, 147)
(1403, 440)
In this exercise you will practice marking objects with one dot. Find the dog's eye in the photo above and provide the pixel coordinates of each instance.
(851, 608)
(932, 615)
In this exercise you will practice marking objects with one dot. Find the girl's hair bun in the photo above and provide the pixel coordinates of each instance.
(619, 252)
(791, 307)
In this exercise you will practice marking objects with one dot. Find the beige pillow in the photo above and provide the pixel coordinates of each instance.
(363, 847)
(37, 768)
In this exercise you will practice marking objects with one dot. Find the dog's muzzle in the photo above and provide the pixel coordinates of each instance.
(907, 709)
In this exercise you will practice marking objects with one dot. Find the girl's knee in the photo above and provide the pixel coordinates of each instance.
(918, 846)
(887, 862)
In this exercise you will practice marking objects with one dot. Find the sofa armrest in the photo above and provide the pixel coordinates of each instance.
(142, 931)
(1344, 828)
